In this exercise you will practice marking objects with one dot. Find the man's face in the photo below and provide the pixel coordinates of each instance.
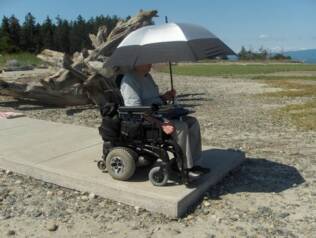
(143, 69)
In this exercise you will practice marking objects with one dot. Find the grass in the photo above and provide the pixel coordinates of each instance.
(302, 115)
(291, 88)
(237, 69)
(22, 58)
(273, 78)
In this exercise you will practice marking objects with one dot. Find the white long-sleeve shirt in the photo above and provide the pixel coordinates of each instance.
(139, 91)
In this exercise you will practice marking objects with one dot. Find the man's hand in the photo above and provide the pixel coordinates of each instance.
(168, 127)
(169, 95)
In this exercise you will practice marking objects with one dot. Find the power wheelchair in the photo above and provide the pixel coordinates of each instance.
(131, 140)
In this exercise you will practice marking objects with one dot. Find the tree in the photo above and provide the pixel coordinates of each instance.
(79, 35)
(5, 42)
(28, 34)
(243, 53)
(263, 54)
(47, 34)
(280, 56)
(61, 35)
(14, 33)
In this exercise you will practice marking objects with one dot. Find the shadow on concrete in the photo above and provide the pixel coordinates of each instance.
(253, 175)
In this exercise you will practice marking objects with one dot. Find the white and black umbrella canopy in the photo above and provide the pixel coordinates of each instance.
(168, 42)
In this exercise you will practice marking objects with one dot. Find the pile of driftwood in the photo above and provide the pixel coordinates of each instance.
(81, 78)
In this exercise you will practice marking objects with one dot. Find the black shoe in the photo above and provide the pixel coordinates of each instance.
(199, 170)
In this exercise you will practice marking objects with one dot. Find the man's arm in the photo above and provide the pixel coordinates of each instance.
(130, 92)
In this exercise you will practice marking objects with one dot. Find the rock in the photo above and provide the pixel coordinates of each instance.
(8, 172)
(28, 195)
(209, 236)
(12, 63)
(11, 233)
(52, 226)
(137, 210)
(174, 232)
(92, 196)
(189, 217)
(68, 210)
(284, 215)
(37, 213)
(49, 193)
(18, 182)
(206, 204)
(235, 217)
(84, 198)
(205, 212)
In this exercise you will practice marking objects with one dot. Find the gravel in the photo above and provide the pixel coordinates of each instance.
(271, 195)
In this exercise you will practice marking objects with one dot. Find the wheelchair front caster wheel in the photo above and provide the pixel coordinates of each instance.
(121, 163)
(101, 165)
(158, 176)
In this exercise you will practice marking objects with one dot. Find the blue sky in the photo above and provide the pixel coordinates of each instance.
(273, 24)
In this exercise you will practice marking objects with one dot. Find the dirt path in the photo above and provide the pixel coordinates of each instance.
(273, 195)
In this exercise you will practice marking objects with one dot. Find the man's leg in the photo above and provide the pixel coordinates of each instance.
(194, 138)
(181, 135)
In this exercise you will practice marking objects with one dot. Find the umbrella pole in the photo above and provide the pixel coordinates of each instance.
(170, 68)
(171, 78)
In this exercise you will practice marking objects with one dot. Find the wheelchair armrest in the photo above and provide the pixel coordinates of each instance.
(136, 109)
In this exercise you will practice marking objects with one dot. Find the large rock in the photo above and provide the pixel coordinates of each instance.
(14, 65)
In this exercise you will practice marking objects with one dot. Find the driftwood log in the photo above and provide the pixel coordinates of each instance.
(80, 80)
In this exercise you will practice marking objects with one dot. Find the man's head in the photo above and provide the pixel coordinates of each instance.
(143, 69)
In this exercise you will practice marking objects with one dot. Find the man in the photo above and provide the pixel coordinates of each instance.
(139, 89)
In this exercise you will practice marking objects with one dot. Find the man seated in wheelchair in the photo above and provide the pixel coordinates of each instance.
(149, 128)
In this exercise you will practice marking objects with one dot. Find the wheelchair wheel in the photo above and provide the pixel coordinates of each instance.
(120, 163)
(158, 176)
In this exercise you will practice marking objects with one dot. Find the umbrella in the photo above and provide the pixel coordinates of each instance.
(170, 42)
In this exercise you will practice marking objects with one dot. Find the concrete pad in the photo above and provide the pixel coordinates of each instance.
(65, 154)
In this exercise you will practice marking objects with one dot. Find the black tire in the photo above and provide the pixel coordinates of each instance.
(101, 165)
(121, 163)
(158, 176)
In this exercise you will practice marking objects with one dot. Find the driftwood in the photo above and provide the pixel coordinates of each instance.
(53, 57)
(100, 38)
(73, 96)
(82, 78)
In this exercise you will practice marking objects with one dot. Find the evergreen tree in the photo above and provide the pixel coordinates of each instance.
(28, 34)
(38, 41)
(243, 53)
(47, 34)
(61, 35)
(14, 33)
(5, 41)
(79, 35)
